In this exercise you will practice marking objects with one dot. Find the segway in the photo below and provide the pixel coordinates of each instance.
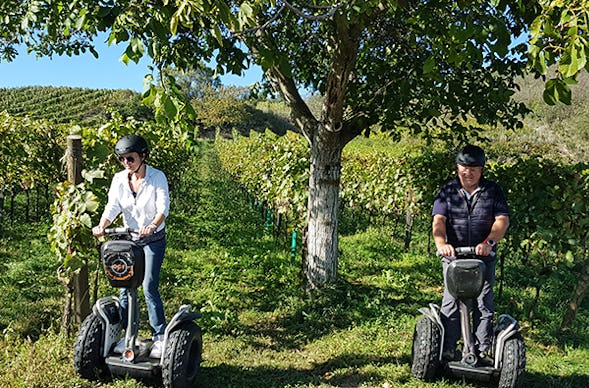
(465, 281)
(94, 356)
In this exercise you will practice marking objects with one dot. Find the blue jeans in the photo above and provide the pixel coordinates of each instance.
(154, 258)
(482, 314)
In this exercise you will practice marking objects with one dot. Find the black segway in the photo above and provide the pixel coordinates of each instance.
(465, 282)
(94, 356)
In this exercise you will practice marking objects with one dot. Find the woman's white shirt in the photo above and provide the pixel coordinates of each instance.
(138, 210)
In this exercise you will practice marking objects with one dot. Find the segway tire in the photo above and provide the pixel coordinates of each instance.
(182, 357)
(427, 342)
(513, 363)
(88, 361)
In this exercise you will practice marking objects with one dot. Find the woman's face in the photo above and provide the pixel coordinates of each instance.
(131, 160)
(470, 176)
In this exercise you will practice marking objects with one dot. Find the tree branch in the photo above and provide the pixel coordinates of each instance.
(300, 112)
(345, 51)
(331, 10)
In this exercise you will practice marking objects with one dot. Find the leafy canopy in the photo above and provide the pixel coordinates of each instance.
(422, 64)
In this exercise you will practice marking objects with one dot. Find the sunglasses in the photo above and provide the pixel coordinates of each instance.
(129, 159)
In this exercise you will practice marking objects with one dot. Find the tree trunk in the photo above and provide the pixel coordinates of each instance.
(320, 262)
(576, 298)
(12, 195)
(28, 205)
(535, 303)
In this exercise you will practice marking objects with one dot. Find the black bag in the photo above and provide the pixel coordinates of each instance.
(124, 263)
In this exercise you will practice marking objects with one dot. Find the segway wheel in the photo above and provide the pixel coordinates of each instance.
(427, 342)
(513, 363)
(88, 361)
(182, 357)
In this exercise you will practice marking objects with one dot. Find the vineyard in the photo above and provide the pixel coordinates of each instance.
(385, 181)
(239, 206)
(69, 104)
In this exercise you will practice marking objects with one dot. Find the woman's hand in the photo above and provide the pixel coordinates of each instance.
(98, 231)
(147, 230)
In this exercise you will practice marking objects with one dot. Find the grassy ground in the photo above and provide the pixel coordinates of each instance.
(260, 329)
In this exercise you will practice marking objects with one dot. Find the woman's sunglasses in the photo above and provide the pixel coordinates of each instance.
(129, 159)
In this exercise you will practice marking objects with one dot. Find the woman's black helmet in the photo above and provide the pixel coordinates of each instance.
(471, 156)
(131, 143)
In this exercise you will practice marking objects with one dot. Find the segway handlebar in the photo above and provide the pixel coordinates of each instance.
(467, 251)
(119, 231)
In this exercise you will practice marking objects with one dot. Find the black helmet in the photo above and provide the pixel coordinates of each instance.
(131, 143)
(471, 156)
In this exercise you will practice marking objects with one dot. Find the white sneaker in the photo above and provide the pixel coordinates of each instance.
(120, 346)
(156, 349)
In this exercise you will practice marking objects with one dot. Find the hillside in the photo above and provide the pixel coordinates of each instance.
(71, 105)
(564, 126)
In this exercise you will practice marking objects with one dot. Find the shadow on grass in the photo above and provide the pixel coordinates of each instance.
(544, 380)
(336, 307)
(341, 371)
(213, 213)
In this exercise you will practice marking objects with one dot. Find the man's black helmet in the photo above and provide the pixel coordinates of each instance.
(471, 156)
(131, 143)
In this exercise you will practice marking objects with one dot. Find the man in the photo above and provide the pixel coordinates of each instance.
(470, 211)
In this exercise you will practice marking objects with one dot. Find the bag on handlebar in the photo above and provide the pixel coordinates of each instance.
(124, 263)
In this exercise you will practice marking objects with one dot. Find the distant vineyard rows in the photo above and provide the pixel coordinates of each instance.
(62, 104)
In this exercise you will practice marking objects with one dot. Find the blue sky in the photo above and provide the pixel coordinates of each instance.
(106, 72)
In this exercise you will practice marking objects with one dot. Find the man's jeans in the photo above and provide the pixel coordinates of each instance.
(482, 312)
(154, 257)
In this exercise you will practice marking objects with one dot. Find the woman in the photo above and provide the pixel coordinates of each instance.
(140, 194)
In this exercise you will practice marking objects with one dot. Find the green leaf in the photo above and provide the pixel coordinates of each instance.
(216, 32)
(247, 10)
(90, 175)
(535, 28)
(568, 65)
(564, 93)
(81, 20)
(169, 108)
(174, 24)
(550, 94)
(86, 220)
(429, 65)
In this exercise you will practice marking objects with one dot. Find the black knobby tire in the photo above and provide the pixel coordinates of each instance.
(88, 361)
(182, 357)
(427, 342)
(513, 364)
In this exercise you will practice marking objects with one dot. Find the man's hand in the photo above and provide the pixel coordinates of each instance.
(483, 249)
(447, 250)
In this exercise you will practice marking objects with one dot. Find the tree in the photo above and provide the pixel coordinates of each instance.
(193, 82)
(438, 67)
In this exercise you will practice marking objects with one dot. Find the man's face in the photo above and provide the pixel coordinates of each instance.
(470, 176)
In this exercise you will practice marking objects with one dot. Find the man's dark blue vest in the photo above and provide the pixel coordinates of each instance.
(469, 222)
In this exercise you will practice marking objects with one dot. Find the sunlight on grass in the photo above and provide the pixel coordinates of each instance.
(260, 328)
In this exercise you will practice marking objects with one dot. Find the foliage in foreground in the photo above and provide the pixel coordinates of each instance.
(260, 329)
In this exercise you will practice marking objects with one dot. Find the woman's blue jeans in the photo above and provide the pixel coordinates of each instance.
(154, 258)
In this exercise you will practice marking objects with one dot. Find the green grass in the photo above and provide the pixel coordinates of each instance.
(260, 328)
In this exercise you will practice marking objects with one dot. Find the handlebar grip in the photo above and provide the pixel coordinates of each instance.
(467, 251)
(119, 230)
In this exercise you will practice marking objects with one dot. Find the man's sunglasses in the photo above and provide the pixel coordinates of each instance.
(129, 159)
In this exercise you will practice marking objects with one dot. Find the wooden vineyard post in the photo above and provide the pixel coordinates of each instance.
(81, 288)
